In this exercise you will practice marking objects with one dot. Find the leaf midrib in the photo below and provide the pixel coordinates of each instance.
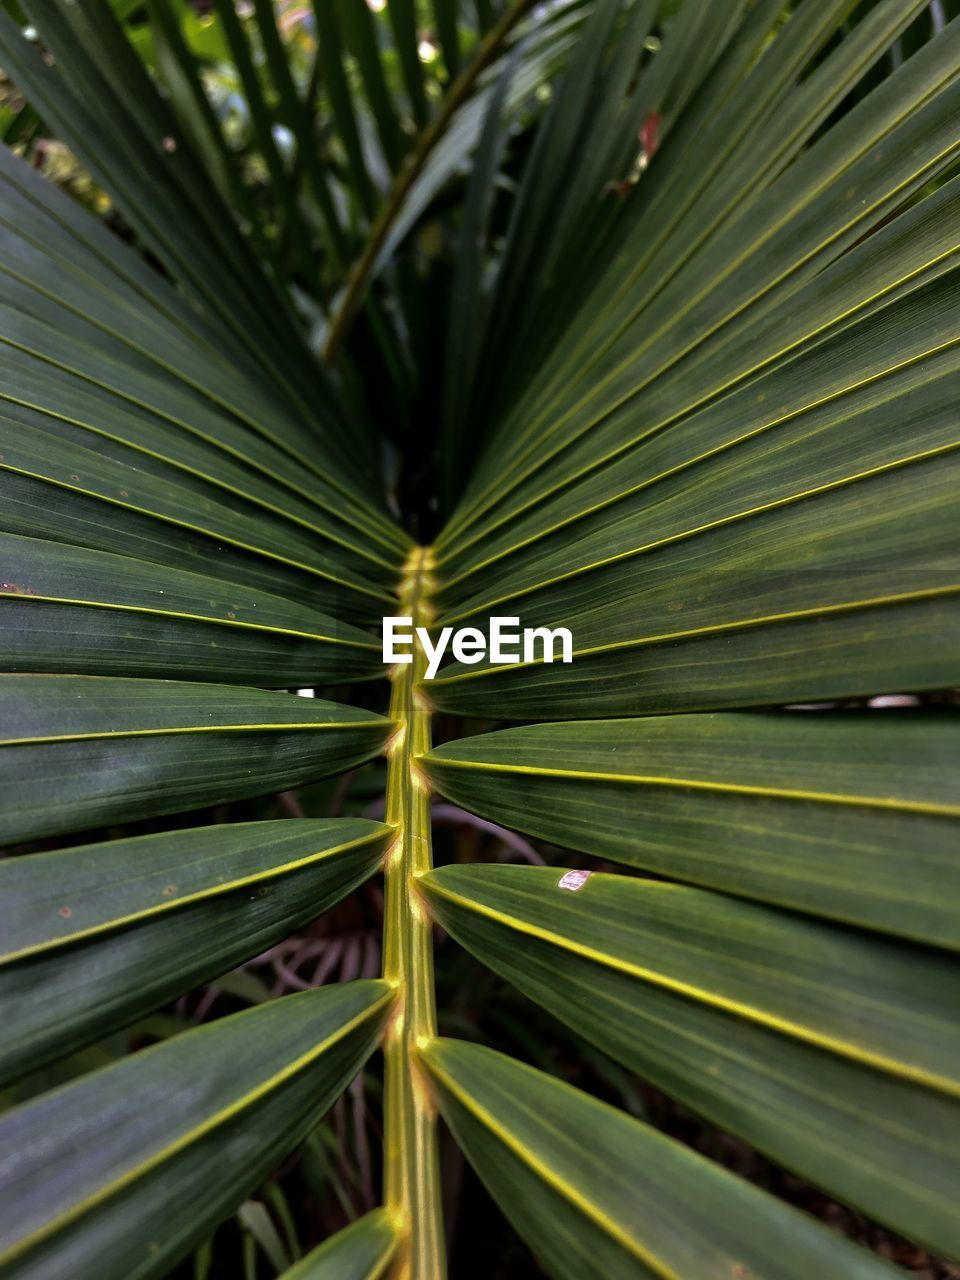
(695, 784)
(242, 623)
(109, 734)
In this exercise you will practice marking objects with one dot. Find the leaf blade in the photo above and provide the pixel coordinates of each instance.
(839, 1118)
(97, 935)
(79, 751)
(848, 816)
(267, 1075)
(128, 617)
(358, 1252)
(545, 1152)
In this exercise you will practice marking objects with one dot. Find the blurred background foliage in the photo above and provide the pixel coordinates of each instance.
(310, 116)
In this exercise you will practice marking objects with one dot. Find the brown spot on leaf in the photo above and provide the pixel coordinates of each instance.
(169, 889)
(66, 912)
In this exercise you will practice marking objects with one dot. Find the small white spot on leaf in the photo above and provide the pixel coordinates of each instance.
(574, 880)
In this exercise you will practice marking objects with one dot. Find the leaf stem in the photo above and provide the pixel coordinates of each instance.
(411, 1175)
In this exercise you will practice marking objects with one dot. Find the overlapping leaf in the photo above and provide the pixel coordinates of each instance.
(725, 224)
(359, 1252)
(82, 751)
(163, 189)
(599, 1196)
(710, 482)
(93, 337)
(849, 816)
(833, 1053)
(122, 1172)
(541, 47)
(95, 936)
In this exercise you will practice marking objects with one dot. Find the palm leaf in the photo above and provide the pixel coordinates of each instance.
(817, 1057)
(122, 748)
(604, 1196)
(650, 312)
(852, 817)
(61, 588)
(96, 936)
(359, 1252)
(192, 1159)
